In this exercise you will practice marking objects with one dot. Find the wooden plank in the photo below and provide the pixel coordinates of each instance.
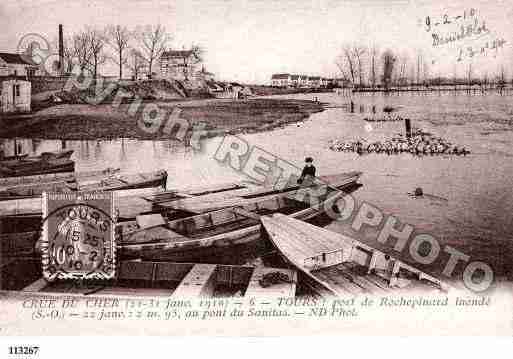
(154, 234)
(331, 240)
(128, 205)
(244, 213)
(36, 286)
(150, 220)
(300, 238)
(277, 290)
(335, 286)
(359, 280)
(278, 237)
(199, 282)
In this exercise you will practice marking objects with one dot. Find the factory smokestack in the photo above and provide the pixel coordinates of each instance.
(61, 50)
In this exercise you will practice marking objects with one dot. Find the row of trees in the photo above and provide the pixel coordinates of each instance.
(367, 66)
(136, 49)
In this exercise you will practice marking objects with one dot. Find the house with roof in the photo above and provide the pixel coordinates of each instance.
(280, 80)
(294, 80)
(182, 65)
(17, 65)
(314, 81)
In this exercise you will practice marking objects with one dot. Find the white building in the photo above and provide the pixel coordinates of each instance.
(280, 80)
(17, 65)
(16, 96)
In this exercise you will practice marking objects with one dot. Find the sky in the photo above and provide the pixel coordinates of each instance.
(247, 41)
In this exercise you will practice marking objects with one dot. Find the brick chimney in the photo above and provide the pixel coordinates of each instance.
(61, 50)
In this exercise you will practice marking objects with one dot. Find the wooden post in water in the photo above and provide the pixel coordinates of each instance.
(407, 124)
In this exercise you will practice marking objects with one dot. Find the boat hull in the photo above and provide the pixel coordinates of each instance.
(34, 186)
(37, 168)
(231, 247)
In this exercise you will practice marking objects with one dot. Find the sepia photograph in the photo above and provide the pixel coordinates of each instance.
(262, 167)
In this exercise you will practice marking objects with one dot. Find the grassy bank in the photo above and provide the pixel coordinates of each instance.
(86, 122)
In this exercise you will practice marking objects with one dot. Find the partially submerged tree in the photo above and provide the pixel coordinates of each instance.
(347, 64)
(388, 68)
(373, 65)
(359, 53)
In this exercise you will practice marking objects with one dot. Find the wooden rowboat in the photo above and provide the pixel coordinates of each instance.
(223, 199)
(336, 265)
(157, 231)
(155, 279)
(46, 156)
(106, 180)
(210, 235)
(47, 162)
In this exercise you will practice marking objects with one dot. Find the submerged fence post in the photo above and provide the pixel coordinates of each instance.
(407, 124)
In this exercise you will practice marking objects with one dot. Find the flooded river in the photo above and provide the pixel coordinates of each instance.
(469, 202)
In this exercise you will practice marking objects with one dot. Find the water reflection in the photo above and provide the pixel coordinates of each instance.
(478, 188)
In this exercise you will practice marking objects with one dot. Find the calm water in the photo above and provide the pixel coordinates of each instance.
(470, 199)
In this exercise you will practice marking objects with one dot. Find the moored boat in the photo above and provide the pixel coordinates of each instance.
(333, 264)
(215, 234)
(105, 180)
(47, 162)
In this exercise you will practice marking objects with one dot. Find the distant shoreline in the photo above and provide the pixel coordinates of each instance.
(95, 122)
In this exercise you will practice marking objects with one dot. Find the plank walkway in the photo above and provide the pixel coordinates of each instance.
(199, 282)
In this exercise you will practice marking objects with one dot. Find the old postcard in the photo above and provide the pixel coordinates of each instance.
(256, 168)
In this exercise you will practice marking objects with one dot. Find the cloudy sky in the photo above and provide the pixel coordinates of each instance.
(249, 40)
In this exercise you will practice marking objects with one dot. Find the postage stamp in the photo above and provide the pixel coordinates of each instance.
(78, 236)
(256, 168)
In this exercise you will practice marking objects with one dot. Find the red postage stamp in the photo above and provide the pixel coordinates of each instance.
(78, 236)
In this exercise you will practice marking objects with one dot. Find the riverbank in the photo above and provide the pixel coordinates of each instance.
(93, 122)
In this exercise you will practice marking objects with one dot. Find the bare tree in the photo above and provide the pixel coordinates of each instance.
(87, 48)
(118, 37)
(403, 68)
(153, 42)
(484, 81)
(97, 40)
(136, 63)
(388, 68)
(425, 73)
(501, 79)
(469, 76)
(359, 53)
(373, 68)
(347, 64)
(81, 50)
(420, 64)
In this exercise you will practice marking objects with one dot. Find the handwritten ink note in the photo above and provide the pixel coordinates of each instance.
(467, 31)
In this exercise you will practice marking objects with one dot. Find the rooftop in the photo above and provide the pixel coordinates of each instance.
(16, 59)
(280, 76)
(178, 53)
